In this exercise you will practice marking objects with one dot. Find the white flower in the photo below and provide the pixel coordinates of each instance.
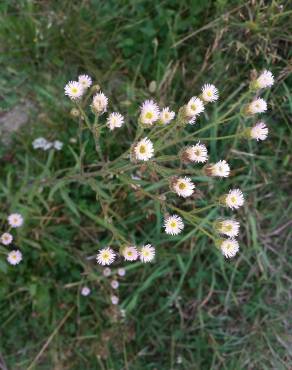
(130, 253)
(166, 116)
(107, 272)
(85, 291)
(173, 225)
(228, 227)
(48, 145)
(99, 103)
(257, 106)
(184, 187)
(209, 93)
(219, 169)
(14, 257)
(85, 81)
(15, 220)
(115, 120)
(234, 199)
(259, 131)
(149, 112)
(266, 79)
(115, 284)
(74, 90)
(144, 150)
(6, 238)
(114, 299)
(197, 153)
(58, 145)
(229, 247)
(105, 256)
(121, 272)
(194, 107)
(147, 253)
(39, 143)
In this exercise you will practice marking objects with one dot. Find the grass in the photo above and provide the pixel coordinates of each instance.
(191, 309)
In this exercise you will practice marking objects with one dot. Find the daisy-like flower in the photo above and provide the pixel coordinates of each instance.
(149, 112)
(6, 238)
(130, 253)
(219, 169)
(58, 145)
(107, 272)
(99, 103)
(74, 90)
(166, 116)
(234, 199)
(39, 143)
(105, 256)
(115, 120)
(194, 107)
(114, 299)
(85, 81)
(85, 291)
(257, 106)
(209, 93)
(266, 79)
(259, 131)
(14, 257)
(15, 220)
(227, 227)
(144, 150)
(147, 253)
(196, 153)
(114, 284)
(121, 272)
(229, 247)
(183, 186)
(173, 225)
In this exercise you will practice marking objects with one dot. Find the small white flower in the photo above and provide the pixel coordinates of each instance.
(173, 225)
(147, 253)
(114, 299)
(115, 284)
(144, 150)
(259, 131)
(234, 199)
(107, 272)
(115, 120)
(197, 153)
(121, 272)
(149, 112)
(39, 143)
(14, 257)
(228, 227)
(257, 106)
(130, 253)
(58, 145)
(105, 256)
(74, 90)
(166, 116)
(85, 81)
(219, 169)
(184, 187)
(194, 107)
(6, 238)
(266, 79)
(229, 247)
(15, 220)
(48, 145)
(209, 93)
(85, 291)
(99, 103)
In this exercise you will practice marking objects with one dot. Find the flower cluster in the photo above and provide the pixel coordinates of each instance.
(14, 220)
(44, 144)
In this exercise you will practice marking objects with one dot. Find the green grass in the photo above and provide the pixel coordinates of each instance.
(191, 309)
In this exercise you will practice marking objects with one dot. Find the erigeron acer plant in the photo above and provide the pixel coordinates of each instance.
(159, 128)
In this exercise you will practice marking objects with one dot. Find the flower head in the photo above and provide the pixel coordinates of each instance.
(183, 186)
(114, 284)
(229, 247)
(227, 227)
(85, 291)
(234, 199)
(257, 106)
(130, 253)
(144, 150)
(121, 271)
(107, 272)
(166, 115)
(99, 103)
(14, 257)
(259, 131)
(39, 143)
(114, 299)
(266, 79)
(173, 225)
(147, 253)
(196, 153)
(115, 120)
(58, 145)
(85, 81)
(194, 107)
(149, 112)
(209, 93)
(105, 256)
(219, 169)
(74, 90)
(15, 220)
(6, 238)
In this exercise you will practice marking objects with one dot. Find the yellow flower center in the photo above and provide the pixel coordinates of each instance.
(193, 107)
(149, 115)
(106, 256)
(173, 224)
(209, 93)
(74, 90)
(227, 228)
(142, 149)
(197, 152)
(182, 186)
(233, 199)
